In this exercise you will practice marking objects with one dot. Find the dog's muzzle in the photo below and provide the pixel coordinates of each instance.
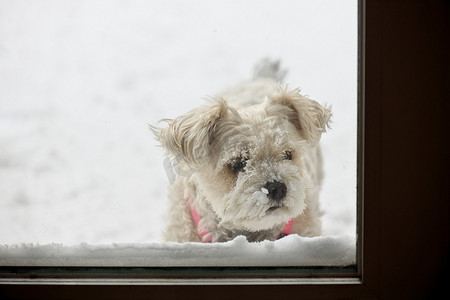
(277, 191)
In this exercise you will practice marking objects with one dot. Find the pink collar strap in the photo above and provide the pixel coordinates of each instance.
(204, 233)
(287, 229)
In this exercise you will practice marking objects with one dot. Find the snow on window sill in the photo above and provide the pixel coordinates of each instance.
(293, 250)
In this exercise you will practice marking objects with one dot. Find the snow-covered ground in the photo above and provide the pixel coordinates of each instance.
(292, 250)
(81, 80)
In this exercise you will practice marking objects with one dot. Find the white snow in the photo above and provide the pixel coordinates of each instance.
(81, 80)
(292, 250)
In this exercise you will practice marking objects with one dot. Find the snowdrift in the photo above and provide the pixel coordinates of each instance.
(292, 250)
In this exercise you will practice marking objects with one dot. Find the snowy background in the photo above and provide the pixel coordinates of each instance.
(81, 80)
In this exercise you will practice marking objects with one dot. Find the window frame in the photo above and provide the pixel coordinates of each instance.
(387, 264)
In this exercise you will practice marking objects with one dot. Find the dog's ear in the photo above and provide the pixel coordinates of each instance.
(308, 116)
(189, 137)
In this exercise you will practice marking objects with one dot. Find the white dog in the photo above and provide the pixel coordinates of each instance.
(248, 164)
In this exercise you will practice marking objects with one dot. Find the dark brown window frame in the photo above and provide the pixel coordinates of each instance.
(403, 208)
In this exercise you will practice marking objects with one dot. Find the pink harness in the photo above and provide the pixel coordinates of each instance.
(287, 229)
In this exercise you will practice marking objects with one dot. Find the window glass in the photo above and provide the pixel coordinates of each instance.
(82, 80)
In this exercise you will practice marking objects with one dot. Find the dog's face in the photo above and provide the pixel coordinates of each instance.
(247, 162)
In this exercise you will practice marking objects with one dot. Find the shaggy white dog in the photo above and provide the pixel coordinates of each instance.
(248, 164)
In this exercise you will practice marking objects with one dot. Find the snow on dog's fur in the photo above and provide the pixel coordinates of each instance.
(248, 163)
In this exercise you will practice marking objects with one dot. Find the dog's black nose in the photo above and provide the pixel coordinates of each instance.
(277, 190)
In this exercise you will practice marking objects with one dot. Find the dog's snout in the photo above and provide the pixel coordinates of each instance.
(277, 190)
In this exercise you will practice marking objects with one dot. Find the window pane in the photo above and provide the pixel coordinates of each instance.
(82, 80)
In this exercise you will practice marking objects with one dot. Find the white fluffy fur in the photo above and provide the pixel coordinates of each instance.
(257, 122)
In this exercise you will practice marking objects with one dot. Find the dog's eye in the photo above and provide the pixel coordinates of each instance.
(237, 165)
(287, 155)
